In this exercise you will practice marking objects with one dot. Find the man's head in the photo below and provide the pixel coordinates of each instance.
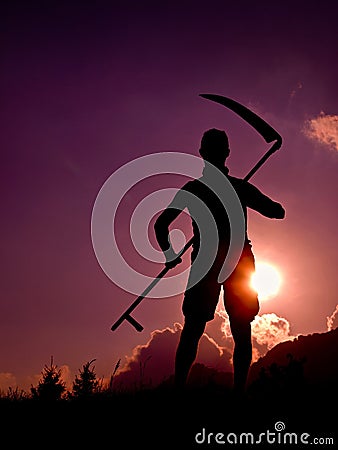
(215, 147)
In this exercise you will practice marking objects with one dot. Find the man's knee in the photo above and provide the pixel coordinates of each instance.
(241, 331)
(194, 327)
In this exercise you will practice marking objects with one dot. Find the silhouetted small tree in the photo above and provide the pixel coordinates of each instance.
(86, 384)
(51, 386)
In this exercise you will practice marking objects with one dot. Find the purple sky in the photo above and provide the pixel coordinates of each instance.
(87, 87)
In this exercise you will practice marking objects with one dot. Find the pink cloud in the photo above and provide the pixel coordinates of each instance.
(153, 363)
(67, 376)
(268, 330)
(324, 129)
(332, 321)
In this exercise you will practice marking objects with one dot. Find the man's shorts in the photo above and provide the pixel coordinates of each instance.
(240, 299)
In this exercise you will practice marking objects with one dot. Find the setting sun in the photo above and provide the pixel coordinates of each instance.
(266, 280)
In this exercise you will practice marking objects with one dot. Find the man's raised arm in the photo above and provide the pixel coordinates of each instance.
(261, 203)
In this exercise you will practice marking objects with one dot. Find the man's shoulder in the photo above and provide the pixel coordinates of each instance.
(200, 183)
(235, 179)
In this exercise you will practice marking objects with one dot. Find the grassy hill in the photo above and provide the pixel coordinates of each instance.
(293, 384)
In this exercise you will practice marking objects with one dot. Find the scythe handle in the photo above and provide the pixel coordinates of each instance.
(276, 146)
(126, 315)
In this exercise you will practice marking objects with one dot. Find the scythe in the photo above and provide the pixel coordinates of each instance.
(267, 132)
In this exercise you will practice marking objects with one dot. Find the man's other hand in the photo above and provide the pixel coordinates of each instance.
(280, 212)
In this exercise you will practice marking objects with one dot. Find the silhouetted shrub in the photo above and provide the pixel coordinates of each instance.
(86, 384)
(50, 387)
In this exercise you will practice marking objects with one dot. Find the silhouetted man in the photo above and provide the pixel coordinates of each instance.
(200, 299)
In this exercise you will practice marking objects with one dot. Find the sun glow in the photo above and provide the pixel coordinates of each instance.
(266, 281)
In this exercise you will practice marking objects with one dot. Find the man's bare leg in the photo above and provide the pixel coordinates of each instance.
(187, 350)
(242, 355)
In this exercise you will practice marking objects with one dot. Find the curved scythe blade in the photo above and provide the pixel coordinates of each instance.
(264, 129)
